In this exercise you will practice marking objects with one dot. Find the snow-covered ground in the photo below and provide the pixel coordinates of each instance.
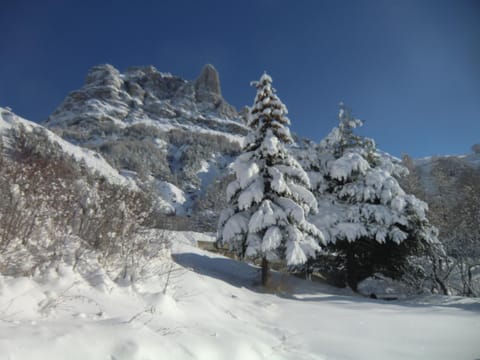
(212, 309)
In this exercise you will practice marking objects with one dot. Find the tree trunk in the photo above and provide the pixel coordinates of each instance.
(471, 292)
(436, 276)
(351, 276)
(265, 271)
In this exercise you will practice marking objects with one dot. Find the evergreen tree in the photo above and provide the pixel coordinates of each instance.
(269, 200)
(365, 215)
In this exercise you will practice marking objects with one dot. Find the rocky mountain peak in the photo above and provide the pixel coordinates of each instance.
(208, 81)
(143, 92)
(103, 75)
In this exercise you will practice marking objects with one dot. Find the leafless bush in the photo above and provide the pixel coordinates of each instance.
(454, 202)
(47, 197)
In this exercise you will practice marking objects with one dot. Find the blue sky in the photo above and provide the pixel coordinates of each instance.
(409, 69)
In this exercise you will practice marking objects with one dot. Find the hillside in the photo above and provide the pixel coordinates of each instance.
(451, 187)
(95, 162)
(452, 166)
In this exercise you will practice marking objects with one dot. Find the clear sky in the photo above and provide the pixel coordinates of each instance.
(409, 69)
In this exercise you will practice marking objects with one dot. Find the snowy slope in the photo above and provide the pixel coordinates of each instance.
(473, 159)
(92, 159)
(212, 310)
(426, 165)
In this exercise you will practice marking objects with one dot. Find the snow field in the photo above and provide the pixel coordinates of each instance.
(212, 309)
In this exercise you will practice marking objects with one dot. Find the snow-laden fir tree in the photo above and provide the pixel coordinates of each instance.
(365, 215)
(269, 200)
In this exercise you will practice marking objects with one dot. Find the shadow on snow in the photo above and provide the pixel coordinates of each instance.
(235, 273)
(240, 274)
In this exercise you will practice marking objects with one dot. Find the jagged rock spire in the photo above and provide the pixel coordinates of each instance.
(208, 82)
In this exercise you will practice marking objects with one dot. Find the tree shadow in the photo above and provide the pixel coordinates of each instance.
(436, 302)
(233, 272)
(240, 274)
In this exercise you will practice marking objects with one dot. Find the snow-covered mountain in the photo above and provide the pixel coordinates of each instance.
(172, 136)
(142, 95)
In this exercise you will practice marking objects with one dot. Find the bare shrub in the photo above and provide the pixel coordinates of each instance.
(47, 197)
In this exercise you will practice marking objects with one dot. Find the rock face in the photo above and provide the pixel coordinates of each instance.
(207, 91)
(103, 75)
(144, 92)
(162, 130)
(208, 83)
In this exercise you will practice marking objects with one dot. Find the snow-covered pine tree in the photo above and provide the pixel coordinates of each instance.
(269, 200)
(364, 213)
